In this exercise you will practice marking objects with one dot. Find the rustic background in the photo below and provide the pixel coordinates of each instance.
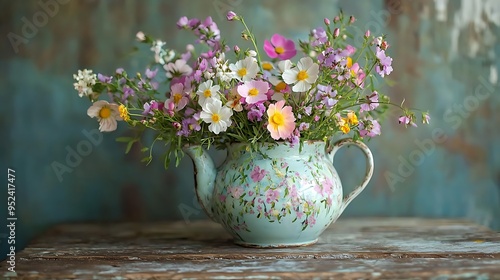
(445, 59)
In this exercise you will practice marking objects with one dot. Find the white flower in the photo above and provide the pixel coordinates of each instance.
(252, 53)
(180, 67)
(85, 79)
(284, 65)
(245, 69)
(106, 113)
(157, 48)
(303, 76)
(216, 115)
(206, 91)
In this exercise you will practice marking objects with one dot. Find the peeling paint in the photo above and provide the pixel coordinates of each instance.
(473, 20)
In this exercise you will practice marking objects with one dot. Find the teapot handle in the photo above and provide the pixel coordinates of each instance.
(369, 167)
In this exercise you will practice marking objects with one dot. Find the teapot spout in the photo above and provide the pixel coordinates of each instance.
(204, 176)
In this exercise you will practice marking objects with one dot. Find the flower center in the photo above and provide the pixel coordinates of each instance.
(267, 66)
(277, 119)
(253, 92)
(302, 75)
(242, 72)
(279, 50)
(215, 118)
(104, 113)
(177, 98)
(207, 93)
(280, 86)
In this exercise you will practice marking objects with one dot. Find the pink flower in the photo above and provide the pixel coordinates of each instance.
(292, 191)
(369, 127)
(406, 120)
(281, 120)
(257, 174)
(384, 66)
(329, 201)
(371, 102)
(231, 15)
(178, 97)
(311, 221)
(236, 192)
(280, 47)
(272, 195)
(254, 91)
(299, 214)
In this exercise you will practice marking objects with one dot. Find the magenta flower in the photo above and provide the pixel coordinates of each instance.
(149, 107)
(280, 47)
(256, 112)
(258, 174)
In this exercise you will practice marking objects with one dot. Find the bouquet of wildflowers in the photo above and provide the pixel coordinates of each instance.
(218, 94)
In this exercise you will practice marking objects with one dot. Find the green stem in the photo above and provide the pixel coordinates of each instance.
(254, 42)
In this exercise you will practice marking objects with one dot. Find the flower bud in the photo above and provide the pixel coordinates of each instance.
(327, 21)
(252, 53)
(189, 48)
(231, 16)
(384, 45)
(236, 49)
(140, 36)
(177, 125)
(336, 33)
(336, 19)
(367, 33)
(352, 19)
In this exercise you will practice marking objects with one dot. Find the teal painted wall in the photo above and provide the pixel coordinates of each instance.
(445, 59)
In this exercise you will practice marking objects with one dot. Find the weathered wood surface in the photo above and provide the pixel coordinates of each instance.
(376, 248)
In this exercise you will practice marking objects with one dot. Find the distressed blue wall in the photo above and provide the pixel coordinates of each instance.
(446, 59)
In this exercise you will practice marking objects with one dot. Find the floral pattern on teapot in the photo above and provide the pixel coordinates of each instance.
(296, 187)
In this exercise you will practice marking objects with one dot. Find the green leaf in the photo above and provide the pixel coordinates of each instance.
(124, 139)
(129, 146)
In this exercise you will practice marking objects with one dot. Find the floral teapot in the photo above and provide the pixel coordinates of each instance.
(277, 196)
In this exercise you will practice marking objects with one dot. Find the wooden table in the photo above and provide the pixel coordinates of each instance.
(375, 248)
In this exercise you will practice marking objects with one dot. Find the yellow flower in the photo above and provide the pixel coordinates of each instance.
(351, 117)
(344, 126)
(124, 112)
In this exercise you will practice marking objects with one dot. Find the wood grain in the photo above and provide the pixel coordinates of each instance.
(377, 248)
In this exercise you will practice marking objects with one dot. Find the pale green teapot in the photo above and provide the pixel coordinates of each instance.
(278, 196)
